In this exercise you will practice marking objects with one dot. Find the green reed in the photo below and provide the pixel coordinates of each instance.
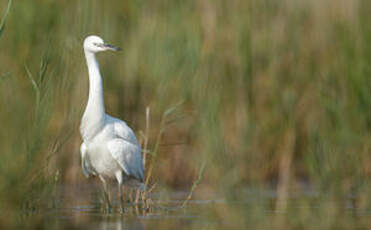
(275, 94)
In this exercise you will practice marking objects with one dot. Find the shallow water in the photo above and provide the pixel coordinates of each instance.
(80, 207)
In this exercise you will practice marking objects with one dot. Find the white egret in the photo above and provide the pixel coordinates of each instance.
(110, 148)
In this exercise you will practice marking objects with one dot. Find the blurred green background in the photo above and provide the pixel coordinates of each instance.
(260, 93)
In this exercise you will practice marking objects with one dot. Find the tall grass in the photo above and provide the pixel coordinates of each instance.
(275, 94)
(5, 16)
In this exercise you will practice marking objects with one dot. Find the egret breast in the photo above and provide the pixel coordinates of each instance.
(102, 160)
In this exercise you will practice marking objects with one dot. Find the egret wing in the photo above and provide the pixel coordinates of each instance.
(85, 162)
(128, 156)
(122, 130)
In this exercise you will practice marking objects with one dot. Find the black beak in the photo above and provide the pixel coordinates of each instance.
(111, 47)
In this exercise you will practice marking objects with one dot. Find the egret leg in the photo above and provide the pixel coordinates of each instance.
(122, 201)
(119, 178)
(105, 194)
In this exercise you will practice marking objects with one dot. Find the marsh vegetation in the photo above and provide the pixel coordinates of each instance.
(260, 110)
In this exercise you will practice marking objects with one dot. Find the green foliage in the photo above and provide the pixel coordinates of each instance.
(271, 91)
(5, 16)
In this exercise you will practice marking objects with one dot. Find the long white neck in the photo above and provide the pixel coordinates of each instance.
(93, 118)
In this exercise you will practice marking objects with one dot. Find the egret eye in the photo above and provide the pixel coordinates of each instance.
(97, 44)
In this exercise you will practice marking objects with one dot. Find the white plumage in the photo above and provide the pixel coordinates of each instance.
(110, 148)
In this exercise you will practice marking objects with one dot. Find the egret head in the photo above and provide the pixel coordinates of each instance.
(95, 44)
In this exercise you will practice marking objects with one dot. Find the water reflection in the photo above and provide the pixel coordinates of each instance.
(120, 223)
(94, 219)
(80, 207)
